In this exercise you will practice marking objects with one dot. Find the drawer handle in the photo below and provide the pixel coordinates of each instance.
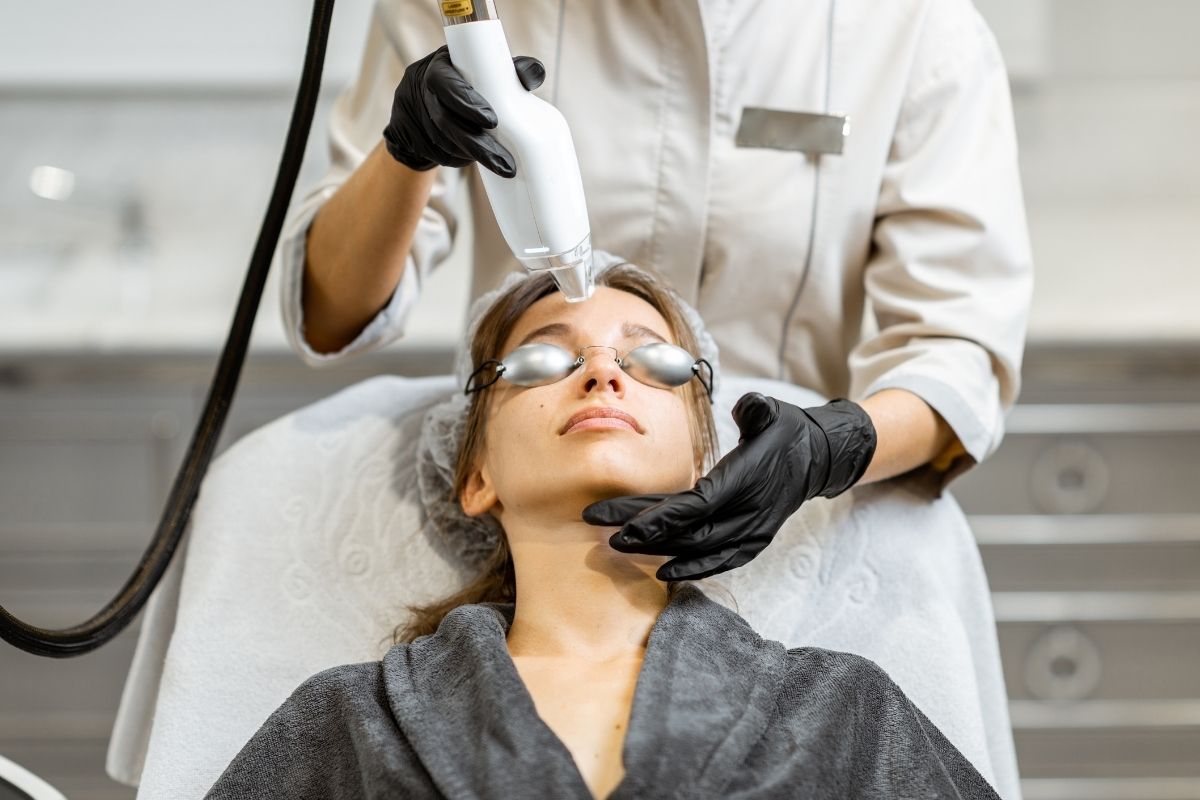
(1063, 665)
(1069, 478)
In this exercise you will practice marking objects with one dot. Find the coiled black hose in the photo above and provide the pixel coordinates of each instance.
(121, 610)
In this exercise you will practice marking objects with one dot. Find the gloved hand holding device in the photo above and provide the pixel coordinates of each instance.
(439, 118)
(785, 456)
(471, 102)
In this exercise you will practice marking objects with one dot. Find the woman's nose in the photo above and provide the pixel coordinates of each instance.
(600, 370)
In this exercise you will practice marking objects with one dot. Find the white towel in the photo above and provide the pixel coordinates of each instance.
(307, 540)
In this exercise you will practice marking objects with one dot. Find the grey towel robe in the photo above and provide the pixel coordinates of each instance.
(717, 712)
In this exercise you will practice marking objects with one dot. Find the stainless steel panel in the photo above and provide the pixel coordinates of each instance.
(1073, 458)
(1102, 473)
(1090, 552)
(56, 715)
(1098, 606)
(1165, 566)
(1097, 714)
(1111, 788)
(73, 766)
(111, 459)
(49, 699)
(1076, 372)
(1063, 419)
(1035, 529)
(1138, 660)
(74, 539)
(60, 589)
(87, 449)
(1160, 752)
(43, 698)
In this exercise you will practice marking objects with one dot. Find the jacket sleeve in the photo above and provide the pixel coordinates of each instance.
(398, 35)
(924, 763)
(323, 742)
(950, 274)
(897, 751)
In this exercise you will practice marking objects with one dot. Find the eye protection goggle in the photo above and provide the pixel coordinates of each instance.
(658, 364)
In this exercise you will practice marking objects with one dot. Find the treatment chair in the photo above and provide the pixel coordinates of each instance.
(309, 536)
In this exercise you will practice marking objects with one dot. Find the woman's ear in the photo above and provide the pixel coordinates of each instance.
(478, 496)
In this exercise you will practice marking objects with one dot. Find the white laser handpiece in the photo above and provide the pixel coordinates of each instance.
(541, 211)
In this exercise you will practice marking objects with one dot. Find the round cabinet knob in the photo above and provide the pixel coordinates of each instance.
(1063, 665)
(165, 425)
(1069, 478)
(14, 376)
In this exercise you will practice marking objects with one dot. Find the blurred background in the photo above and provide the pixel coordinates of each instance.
(139, 141)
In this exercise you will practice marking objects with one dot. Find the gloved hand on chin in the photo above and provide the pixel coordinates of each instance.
(785, 456)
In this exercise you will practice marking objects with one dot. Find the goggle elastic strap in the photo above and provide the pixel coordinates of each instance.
(707, 384)
(499, 371)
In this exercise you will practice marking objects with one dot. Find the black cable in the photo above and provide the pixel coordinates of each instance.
(121, 610)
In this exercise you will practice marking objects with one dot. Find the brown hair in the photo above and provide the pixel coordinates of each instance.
(496, 581)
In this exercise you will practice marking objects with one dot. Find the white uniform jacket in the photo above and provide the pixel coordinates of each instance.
(919, 227)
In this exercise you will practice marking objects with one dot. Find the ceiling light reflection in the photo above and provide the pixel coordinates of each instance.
(52, 183)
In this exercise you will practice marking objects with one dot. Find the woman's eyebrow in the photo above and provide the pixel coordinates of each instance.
(553, 329)
(629, 330)
(632, 329)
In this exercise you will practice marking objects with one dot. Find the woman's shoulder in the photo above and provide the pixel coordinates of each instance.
(345, 676)
(344, 690)
(843, 700)
(836, 672)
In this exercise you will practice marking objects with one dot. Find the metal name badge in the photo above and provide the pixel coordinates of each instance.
(814, 134)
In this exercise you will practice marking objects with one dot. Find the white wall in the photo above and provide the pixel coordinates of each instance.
(1106, 96)
(230, 43)
(1107, 136)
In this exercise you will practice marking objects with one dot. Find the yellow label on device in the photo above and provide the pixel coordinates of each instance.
(457, 8)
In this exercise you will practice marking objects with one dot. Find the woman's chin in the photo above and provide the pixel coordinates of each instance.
(614, 483)
(612, 470)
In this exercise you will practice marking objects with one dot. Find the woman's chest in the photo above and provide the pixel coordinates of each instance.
(588, 708)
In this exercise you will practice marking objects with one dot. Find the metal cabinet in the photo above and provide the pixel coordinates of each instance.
(88, 449)
(1088, 521)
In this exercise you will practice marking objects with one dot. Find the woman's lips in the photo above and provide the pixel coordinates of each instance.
(601, 417)
(600, 422)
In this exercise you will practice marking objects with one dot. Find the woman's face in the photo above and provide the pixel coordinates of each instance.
(533, 466)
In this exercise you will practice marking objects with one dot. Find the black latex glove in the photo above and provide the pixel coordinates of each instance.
(785, 455)
(438, 118)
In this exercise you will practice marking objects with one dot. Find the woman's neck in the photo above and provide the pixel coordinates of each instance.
(577, 597)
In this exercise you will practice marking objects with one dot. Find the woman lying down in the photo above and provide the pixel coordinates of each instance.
(567, 669)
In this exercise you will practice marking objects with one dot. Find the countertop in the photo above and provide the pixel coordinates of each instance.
(106, 311)
(1139, 306)
(1089, 288)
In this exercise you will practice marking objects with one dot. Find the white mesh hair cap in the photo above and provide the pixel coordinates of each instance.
(472, 539)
